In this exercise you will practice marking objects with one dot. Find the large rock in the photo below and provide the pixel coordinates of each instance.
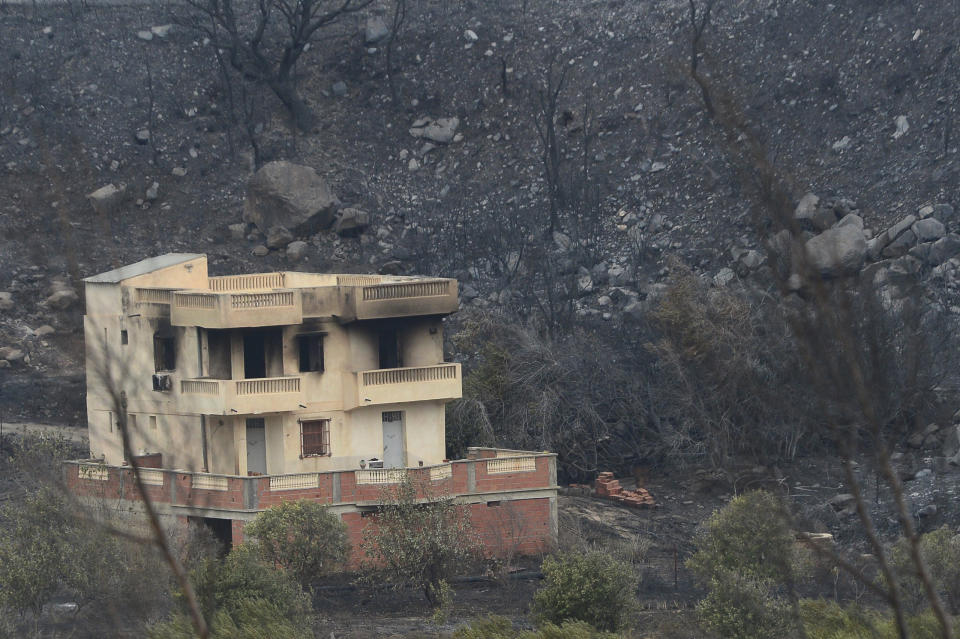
(6, 301)
(813, 214)
(837, 251)
(297, 250)
(278, 237)
(106, 199)
(289, 195)
(376, 30)
(62, 299)
(351, 221)
(904, 242)
(440, 130)
(928, 230)
(943, 249)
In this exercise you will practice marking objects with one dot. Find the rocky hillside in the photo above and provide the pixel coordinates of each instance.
(121, 136)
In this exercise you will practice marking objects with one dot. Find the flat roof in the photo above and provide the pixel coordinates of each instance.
(142, 267)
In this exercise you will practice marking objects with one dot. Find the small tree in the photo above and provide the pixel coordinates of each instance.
(744, 552)
(419, 541)
(592, 587)
(301, 536)
(941, 551)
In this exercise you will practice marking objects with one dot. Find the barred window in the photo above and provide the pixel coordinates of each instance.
(311, 352)
(315, 438)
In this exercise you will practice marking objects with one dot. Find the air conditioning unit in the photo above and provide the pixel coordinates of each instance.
(162, 383)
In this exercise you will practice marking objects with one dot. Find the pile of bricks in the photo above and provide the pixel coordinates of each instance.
(608, 487)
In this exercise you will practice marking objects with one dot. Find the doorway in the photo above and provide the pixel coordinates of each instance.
(262, 353)
(218, 347)
(394, 452)
(389, 348)
(256, 446)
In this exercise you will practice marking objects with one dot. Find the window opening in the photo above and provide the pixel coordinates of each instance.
(315, 438)
(311, 353)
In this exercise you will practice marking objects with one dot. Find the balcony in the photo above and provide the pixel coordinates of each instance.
(236, 310)
(363, 300)
(397, 385)
(241, 396)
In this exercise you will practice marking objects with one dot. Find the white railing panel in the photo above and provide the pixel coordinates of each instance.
(268, 386)
(209, 482)
(94, 473)
(251, 282)
(511, 465)
(151, 476)
(294, 482)
(380, 476)
(409, 375)
(406, 289)
(441, 472)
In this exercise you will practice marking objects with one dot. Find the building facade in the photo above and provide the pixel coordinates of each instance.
(240, 391)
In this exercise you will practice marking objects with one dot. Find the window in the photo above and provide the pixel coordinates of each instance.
(315, 438)
(311, 352)
(124, 338)
(132, 421)
(164, 352)
(153, 422)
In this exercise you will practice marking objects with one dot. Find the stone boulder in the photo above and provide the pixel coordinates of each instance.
(278, 237)
(351, 221)
(440, 130)
(297, 250)
(289, 195)
(6, 301)
(62, 299)
(375, 30)
(106, 199)
(837, 251)
(943, 249)
(813, 214)
(928, 230)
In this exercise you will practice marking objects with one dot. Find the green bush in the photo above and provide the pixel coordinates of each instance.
(495, 627)
(592, 587)
(740, 607)
(941, 553)
(828, 620)
(420, 544)
(744, 554)
(301, 536)
(251, 619)
(750, 535)
(225, 589)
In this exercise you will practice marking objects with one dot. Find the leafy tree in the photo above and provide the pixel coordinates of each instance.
(419, 542)
(301, 536)
(227, 586)
(744, 553)
(941, 552)
(592, 587)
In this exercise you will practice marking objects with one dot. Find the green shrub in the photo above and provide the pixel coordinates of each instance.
(941, 553)
(750, 535)
(828, 620)
(420, 544)
(740, 607)
(227, 587)
(592, 587)
(301, 536)
(496, 627)
(251, 619)
(744, 554)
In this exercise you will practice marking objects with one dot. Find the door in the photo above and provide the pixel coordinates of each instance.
(256, 446)
(394, 454)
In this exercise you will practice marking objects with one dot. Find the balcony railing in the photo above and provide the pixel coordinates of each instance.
(252, 282)
(397, 385)
(358, 280)
(268, 386)
(241, 396)
(261, 300)
(154, 296)
(409, 375)
(236, 310)
(406, 289)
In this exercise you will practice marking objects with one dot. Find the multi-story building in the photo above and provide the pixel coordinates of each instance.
(240, 391)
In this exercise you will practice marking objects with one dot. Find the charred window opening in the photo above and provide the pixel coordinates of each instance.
(164, 350)
(311, 352)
